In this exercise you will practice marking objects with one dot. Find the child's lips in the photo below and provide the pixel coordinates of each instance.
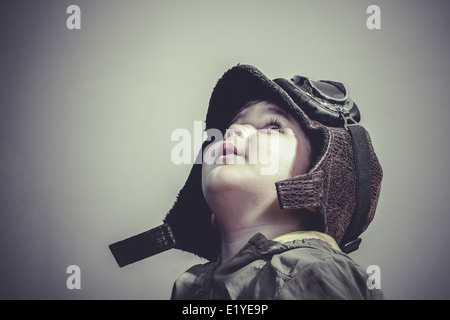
(228, 148)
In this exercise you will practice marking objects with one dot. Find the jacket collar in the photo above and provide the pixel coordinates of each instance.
(301, 235)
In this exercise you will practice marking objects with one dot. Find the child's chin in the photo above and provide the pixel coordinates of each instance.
(227, 176)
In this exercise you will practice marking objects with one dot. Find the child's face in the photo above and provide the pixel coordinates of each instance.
(259, 136)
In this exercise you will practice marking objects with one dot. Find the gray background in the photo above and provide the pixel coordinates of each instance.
(86, 117)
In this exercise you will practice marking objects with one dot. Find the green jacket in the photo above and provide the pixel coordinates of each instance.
(265, 269)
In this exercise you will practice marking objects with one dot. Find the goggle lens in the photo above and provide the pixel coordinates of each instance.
(329, 89)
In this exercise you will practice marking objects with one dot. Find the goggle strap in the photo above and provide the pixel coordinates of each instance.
(363, 160)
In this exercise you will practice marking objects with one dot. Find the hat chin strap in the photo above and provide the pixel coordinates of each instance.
(143, 245)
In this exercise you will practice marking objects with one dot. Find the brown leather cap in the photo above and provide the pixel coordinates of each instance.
(330, 186)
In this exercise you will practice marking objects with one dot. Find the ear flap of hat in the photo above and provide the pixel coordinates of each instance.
(187, 227)
(190, 217)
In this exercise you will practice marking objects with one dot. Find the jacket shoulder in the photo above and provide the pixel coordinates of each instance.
(188, 284)
(316, 271)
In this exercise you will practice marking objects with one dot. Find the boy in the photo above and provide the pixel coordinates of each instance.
(279, 235)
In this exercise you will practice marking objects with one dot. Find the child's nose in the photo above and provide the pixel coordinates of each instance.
(239, 130)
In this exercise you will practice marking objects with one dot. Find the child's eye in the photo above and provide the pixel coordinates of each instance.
(273, 124)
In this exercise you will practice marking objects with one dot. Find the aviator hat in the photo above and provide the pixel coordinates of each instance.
(343, 183)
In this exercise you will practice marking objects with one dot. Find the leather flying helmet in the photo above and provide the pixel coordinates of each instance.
(343, 183)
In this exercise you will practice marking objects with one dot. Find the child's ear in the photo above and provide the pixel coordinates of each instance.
(213, 221)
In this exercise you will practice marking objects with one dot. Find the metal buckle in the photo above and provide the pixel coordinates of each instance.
(347, 117)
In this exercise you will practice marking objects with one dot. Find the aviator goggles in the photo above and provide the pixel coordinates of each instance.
(323, 100)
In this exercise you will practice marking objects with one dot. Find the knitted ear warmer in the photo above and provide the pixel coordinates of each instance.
(331, 186)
